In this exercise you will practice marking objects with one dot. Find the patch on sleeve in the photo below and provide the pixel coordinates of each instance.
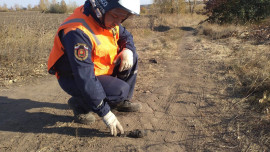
(81, 51)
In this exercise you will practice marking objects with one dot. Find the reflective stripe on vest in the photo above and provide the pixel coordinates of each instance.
(80, 20)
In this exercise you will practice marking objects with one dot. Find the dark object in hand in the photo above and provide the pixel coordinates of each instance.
(134, 134)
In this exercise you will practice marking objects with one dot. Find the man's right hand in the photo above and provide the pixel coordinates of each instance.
(126, 57)
(111, 121)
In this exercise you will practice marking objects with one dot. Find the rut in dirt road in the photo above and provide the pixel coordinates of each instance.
(178, 89)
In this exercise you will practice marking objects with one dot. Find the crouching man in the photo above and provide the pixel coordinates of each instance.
(95, 61)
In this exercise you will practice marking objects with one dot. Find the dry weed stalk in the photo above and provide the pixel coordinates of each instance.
(265, 98)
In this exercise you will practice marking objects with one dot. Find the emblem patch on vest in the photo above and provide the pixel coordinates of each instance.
(81, 51)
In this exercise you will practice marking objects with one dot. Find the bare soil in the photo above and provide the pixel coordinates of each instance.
(179, 85)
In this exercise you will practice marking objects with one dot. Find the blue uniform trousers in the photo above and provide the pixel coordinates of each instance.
(118, 87)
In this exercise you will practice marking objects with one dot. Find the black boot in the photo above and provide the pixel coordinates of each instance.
(80, 114)
(126, 106)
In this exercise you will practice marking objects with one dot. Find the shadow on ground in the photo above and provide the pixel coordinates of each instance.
(186, 28)
(189, 29)
(15, 117)
(162, 28)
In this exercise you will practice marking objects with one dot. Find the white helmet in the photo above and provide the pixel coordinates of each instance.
(132, 6)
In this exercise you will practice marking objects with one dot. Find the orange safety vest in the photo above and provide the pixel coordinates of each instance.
(104, 42)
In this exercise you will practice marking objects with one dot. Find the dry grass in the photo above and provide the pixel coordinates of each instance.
(252, 71)
(26, 40)
(200, 8)
(244, 121)
(249, 61)
(215, 31)
(179, 20)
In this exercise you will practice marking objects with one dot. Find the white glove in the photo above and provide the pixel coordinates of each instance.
(126, 57)
(111, 121)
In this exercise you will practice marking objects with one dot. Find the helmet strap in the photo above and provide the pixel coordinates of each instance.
(99, 15)
(96, 9)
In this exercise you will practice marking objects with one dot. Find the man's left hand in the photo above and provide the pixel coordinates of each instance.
(111, 121)
(126, 57)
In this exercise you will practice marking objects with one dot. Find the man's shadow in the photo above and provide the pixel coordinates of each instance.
(14, 117)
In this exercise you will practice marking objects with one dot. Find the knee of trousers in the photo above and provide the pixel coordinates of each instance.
(119, 93)
(124, 90)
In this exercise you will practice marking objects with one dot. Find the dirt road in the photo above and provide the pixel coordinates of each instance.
(174, 81)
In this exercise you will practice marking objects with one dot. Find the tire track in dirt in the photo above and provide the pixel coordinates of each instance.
(173, 100)
(208, 94)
